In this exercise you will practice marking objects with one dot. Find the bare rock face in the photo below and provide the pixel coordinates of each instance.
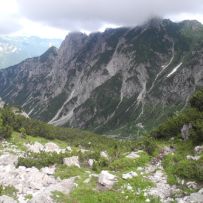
(8, 159)
(126, 75)
(6, 199)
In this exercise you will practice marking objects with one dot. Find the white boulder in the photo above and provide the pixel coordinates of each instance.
(198, 149)
(194, 158)
(191, 185)
(104, 154)
(133, 155)
(107, 179)
(91, 162)
(72, 161)
(68, 148)
(51, 147)
(129, 175)
(35, 148)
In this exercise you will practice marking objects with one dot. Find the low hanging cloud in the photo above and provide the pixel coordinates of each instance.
(8, 26)
(92, 14)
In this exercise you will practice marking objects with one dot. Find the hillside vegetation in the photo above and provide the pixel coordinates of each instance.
(164, 167)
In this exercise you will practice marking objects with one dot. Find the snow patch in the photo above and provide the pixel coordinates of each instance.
(174, 70)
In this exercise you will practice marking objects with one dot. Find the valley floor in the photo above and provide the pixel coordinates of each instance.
(37, 170)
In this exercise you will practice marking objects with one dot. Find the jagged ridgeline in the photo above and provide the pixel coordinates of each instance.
(123, 80)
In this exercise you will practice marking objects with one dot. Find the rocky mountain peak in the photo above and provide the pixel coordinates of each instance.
(51, 52)
(72, 44)
(194, 25)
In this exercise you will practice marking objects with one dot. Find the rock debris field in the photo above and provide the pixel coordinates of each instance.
(37, 186)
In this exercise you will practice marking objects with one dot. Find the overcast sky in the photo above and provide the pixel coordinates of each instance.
(55, 18)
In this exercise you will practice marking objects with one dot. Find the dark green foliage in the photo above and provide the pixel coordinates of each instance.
(5, 132)
(6, 122)
(194, 115)
(22, 132)
(42, 159)
(73, 137)
(174, 124)
(190, 170)
(178, 165)
(196, 100)
(150, 145)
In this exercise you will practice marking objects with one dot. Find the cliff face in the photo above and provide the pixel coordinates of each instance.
(123, 78)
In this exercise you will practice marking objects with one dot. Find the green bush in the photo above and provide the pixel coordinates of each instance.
(194, 115)
(5, 132)
(43, 159)
(129, 164)
(178, 165)
(196, 100)
(189, 169)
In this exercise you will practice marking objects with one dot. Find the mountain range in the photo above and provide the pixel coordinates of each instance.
(122, 81)
(15, 49)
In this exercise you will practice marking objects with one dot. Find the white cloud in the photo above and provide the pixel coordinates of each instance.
(55, 18)
(9, 16)
(92, 14)
(31, 28)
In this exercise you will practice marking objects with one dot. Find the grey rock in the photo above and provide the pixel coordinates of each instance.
(72, 161)
(91, 162)
(185, 131)
(198, 149)
(133, 155)
(7, 199)
(41, 198)
(8, 159)
(129, 175)
(51, 147)
(104, 154)
(35, 148)
(107, 179)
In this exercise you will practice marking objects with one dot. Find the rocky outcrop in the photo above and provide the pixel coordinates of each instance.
(31, 181)
(185, 131)
(106, 80)
(106, 179)
(72, 161)
(37, 147)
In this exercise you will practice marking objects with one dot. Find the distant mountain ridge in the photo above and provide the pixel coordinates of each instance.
(124, 80)
(15, 49)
